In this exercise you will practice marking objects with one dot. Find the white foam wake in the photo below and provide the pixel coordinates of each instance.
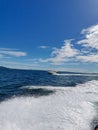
(71, 74)
(66, 109)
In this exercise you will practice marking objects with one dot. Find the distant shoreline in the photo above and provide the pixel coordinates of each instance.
(3, 67)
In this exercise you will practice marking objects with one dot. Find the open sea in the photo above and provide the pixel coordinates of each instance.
(37, 100)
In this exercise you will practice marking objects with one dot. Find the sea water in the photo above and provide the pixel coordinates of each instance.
(36, 100)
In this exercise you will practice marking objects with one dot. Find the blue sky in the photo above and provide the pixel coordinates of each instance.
(49, 34)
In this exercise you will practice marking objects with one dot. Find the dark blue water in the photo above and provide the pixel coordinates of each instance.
(11, 81)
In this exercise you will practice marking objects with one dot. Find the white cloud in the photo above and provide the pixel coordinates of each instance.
(89, 43)
(13, 53)
(90, 37)
(88, 58)
(87, 51)
(66, 50)
(43, 47)
(63, 54)
(9, 52)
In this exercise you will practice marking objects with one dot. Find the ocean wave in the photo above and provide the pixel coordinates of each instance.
(70, 108)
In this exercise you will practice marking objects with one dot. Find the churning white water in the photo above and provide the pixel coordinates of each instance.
(66, 109)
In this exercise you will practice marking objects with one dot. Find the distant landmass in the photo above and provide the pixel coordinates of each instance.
(59, 72)
(2, 67)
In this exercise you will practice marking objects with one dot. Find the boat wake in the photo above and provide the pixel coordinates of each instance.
(70, 108)
(71, 74)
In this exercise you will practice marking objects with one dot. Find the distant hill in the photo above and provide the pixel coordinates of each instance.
(2, 67)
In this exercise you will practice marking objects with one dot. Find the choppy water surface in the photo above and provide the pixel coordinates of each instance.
(36, 100)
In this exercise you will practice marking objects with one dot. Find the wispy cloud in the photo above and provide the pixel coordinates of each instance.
(43, 47)
(11, 52)
(65, 53)
(88, 58)
(87, 51)
(67, 50)
(84, 50)
(90, 37)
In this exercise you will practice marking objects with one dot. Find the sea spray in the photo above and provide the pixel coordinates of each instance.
(66, 109)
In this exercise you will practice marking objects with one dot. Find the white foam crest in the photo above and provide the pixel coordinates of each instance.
(66, 109)
(71, 74)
